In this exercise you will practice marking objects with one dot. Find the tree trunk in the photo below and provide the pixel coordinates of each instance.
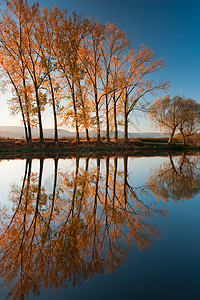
(77, 132)
(25, 129)
(115, 116)
(54, 111)
(27, 113)
(75, 114)
(87, 134)
(97, 118)
(29, 133)
(107, 120)
(183, 135)
(126, 117)
(24, 121)
(171, 136)
(39, 115)
(84, 113)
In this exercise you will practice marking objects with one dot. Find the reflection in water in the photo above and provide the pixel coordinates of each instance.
(178, 179)
(84, 227)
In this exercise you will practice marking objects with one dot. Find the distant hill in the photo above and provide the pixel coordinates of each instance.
(17, 132)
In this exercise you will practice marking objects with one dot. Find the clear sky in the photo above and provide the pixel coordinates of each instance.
(171, 28)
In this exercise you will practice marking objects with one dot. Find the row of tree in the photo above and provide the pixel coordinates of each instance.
(89, 73)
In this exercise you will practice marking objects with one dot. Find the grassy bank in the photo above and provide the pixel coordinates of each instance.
(69, 147)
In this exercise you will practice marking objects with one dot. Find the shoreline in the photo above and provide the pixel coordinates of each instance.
(16, 148)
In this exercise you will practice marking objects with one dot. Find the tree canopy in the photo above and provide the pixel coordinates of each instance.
(89, 73)
(176, 114)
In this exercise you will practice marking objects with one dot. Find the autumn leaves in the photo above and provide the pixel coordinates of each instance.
(176, 114)
(88, 73)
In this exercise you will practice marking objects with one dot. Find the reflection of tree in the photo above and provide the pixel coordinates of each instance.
(84, 227)
(177, 179)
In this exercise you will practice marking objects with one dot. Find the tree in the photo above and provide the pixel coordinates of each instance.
(70, 34)
(117, 89)
(176, 114)
(34, 62)
(113, 50)
(46, 53)
(190, 124)
(13, 62)
(90, 57)
(45, 30)
(136, 80)
(21, 44)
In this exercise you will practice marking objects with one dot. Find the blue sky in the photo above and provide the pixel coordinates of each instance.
(171, 28)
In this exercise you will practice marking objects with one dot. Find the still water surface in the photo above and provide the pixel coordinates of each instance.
(109, 228)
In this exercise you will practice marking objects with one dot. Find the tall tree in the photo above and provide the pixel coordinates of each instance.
(91, 60)
(34, 43)
(13, 45)
(114, 46)
(46, 30)
(70, 35)
(137, 82)
(117, 90)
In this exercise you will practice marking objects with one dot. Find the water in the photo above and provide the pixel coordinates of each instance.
(113, 228)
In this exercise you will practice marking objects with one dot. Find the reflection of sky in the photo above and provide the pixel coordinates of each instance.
(170, 264)
(12, 171)
(139, 169)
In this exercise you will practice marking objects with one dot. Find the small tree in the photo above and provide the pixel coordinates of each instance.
(176, 114)
(191, 119)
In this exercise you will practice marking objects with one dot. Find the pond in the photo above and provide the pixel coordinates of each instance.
(110, 227)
